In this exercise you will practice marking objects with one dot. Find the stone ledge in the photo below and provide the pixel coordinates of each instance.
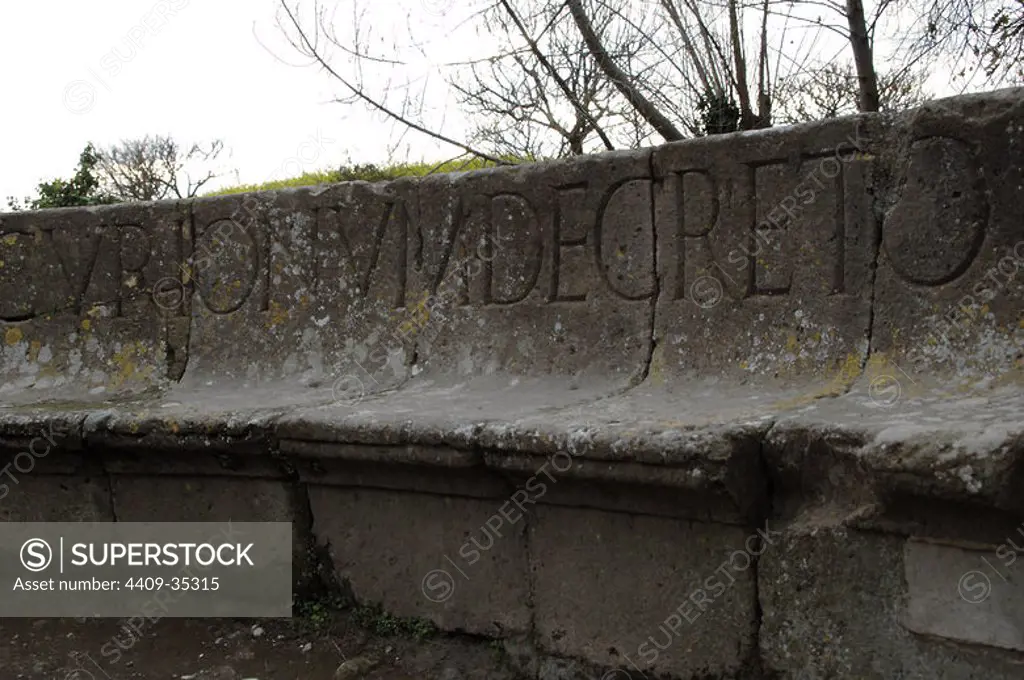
(963, 448)
(849, 450)
(835, 469)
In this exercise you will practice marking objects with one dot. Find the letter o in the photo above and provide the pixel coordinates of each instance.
(829, 160)
(750, 550)
(287, 172)
(32, 450)
(732, 559)
(199, 559)
(230, 277)
(554, 457)
(301, 152)
(31, 461)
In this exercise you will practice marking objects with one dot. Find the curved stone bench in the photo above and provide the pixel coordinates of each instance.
(736, 406)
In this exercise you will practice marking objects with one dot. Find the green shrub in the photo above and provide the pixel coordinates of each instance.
(83, 188)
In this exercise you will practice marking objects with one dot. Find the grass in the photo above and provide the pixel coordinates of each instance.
(305, 180)
(367, 173)
(316, 615)
(375, 619)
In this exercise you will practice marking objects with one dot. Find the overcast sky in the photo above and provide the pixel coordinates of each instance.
(107, 70)
(72, 73)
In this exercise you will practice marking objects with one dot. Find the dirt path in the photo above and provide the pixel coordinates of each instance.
(317, 646)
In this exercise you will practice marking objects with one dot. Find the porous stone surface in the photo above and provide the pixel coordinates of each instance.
(55, 498)
(819, 324)
(859, 449)
(671, 601)
(201, 499)
(427, 556)
(80, 307)
(540, 270)
(984, 608)
(835, 605)
(766, 245)
(301, 282)
(948, 297)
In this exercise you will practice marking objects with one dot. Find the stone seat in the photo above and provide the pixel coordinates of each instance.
(742, 406)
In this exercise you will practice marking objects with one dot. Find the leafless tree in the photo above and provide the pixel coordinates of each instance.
(1006, 53)
(156, 167)
(832, 89)
(575, 76)
(313, 35)
(543, 95)
(975, 40)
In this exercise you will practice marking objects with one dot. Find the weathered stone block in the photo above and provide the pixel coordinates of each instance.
(765, 241)
(987, 605)
(202, 499)
(948, 294)
(80, 311)
(835, 605)
(428, 556)
(644, 594)
(219, 499)
(537, 270)
(124, 461)
(304, 282)
(55, 498)
(424, 469)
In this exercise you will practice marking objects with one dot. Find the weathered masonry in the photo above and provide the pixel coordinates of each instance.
(743, 406)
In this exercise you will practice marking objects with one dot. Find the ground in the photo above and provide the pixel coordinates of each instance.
(318, 643)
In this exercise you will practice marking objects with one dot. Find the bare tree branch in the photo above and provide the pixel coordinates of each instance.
(621, 81)
(862, 55)
(155, 168)
(554, 74)
(310, 47)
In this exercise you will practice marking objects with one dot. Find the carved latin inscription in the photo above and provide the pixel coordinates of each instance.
(568, 253)
(804, 217)
(500, 248)
(108, 270)
(554, 244)
(232, 265)
(362, 245)
(765, 230)
(511, 275)
(623, 240)
(493, 249)
(695, 202)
